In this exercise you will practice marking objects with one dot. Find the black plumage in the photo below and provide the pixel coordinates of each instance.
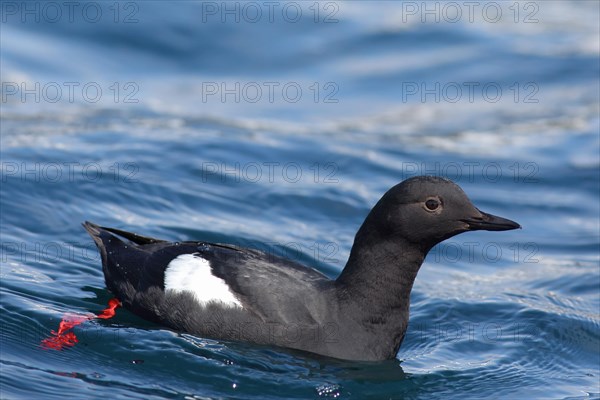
(362, 315)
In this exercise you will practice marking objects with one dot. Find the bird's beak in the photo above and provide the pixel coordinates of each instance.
(489, 222)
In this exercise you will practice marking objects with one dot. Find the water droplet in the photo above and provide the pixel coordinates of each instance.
(329, 390)
(203, 247)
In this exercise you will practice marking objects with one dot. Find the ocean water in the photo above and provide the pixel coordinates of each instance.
(278, 125)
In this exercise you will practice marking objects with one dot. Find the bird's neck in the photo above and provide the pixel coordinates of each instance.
(381, 271)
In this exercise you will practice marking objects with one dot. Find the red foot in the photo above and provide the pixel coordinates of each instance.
(63, 338)
(109, 311)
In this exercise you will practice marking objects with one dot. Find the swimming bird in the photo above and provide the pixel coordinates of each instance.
(226, 292)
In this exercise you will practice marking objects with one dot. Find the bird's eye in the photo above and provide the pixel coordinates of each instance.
(432, 204)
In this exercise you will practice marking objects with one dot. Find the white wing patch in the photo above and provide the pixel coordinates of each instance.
(192, 273)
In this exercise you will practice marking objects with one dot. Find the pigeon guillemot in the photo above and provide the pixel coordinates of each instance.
(226, 292)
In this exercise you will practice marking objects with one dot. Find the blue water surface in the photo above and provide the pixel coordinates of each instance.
(278, 125)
